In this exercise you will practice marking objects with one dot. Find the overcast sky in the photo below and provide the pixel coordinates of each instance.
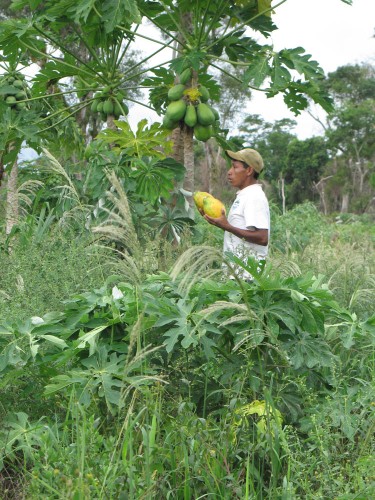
(334, 33)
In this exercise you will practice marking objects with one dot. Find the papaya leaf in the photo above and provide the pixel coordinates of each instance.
(280, 76)
(156, 178)
(258, 70)
(194, 59)
(145, 141)
(298, 60)
(265, 6)
(119, 11)
(307, 351)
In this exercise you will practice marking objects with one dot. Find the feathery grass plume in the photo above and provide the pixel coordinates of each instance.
(125, 265)
(244, 314)
(196, 264)
(26, 192)
(57, 168)
(119, 226)
(364, 296)
(68, 190)
(285, 267)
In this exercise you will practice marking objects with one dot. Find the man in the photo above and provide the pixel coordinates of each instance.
(248, 224)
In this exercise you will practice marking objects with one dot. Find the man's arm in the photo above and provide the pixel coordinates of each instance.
(257, 236)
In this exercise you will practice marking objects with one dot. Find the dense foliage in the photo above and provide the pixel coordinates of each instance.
(133, 363)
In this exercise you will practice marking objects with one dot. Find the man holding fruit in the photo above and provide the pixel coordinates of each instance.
(247, 226)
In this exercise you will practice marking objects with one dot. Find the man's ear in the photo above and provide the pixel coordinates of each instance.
(250, 170)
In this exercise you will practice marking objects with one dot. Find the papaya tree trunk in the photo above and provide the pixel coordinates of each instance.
(178, 145)
(208, 167)
(12, 205)
(1, 169)
(187, 134)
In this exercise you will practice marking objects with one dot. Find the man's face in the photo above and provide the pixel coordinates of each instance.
(239, 174)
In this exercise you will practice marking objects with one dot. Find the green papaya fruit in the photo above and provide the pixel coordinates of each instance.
(190, 116)
(176, 110)
(205, 95)
(18, 84)
(176, 92)
(125, 108)
(185, 76)
(20, 96)
(20, 106)
(94, 105)
(11, 100)
(202, 133)
(108, 107)
(216, 113)
(168, 123)
(205, 114)
(117, 110)
(99, 107)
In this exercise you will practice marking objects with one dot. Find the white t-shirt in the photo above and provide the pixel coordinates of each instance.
(250, 210)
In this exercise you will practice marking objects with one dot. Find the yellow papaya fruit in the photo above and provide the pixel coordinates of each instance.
(198, 198)
(213, 207)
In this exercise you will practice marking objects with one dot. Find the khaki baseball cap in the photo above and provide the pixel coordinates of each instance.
(249, 156)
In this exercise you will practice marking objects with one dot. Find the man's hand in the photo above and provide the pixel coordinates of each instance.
(221, 221)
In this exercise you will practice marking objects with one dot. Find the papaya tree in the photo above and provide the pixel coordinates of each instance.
(207, 36)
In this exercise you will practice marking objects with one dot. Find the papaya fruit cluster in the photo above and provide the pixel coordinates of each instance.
(210, 205)
(189, 106)
(109, 102)
(16, 92)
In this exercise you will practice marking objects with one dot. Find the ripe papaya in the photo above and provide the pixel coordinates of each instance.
(176, 110)
(190, 116)
(198, 198)
(176, 92)
(205, 95)
(202, 133)
(213, 207)
(108, 107)
(185, 76)
(205, 114)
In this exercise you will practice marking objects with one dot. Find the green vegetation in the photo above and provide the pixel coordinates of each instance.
(187, 384)
(132, 366)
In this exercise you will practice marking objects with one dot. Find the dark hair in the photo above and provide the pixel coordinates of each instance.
(255, 174)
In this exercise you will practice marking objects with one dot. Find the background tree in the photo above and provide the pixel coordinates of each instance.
(350, 136)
